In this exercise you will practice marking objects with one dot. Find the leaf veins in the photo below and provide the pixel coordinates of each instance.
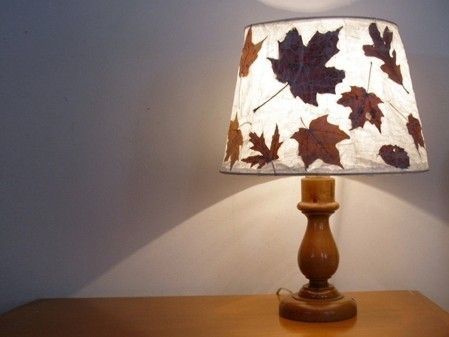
(414, 129)
(381, 50)
(267, 155)
(364, 106)
(249, 53)
(319, 142)
(235, 140)
(395, 156)
(303, 67)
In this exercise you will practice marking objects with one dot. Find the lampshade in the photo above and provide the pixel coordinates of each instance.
(324, 96)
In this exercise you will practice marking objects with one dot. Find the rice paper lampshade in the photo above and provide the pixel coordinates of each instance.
(324, 96)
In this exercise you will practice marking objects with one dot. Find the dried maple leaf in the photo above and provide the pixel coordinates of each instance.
(364, 107)
(395, 156)
(319, 142)
(235, 140)
(414, 129)
(303, 68)
(266, 154)
(249, 53)
(381, 50)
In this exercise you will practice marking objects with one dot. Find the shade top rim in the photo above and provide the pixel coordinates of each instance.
(308, 18)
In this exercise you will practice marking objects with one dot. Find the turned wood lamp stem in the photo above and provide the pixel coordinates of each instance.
(318, 301)
(318, 253)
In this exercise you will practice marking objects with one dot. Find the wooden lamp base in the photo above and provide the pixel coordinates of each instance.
(317, 301)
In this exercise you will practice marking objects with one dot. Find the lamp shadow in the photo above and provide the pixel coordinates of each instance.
(107, 153)
(335, 328)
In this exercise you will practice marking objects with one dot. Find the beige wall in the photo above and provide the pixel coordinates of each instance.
(113, 127)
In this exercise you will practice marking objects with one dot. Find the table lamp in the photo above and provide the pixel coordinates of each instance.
(320, 97)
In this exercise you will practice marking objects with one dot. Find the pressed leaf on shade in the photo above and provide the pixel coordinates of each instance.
(235, 140)
(303, 67)
(395, 156)
(267, 155)
(364, 106)
(381, 50)
(414, 129)
(319, 142)
(249, 53)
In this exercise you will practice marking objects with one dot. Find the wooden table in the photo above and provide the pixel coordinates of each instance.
(380, 314)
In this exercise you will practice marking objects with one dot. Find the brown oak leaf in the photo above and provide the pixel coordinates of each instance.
(395, 156)
(381, 50)
(235, 140)
(364, 106)
(266, 154)
(249, 53)
(303, 67)
(414, 129)
(319, 142)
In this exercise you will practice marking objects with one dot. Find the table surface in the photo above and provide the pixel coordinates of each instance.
(387, 313)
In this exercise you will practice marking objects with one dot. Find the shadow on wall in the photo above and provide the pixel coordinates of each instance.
(115, 123)
(114, 127)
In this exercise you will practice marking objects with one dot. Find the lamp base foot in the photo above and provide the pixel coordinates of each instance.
(326, 305)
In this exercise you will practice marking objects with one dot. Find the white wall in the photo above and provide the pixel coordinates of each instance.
(113, 123)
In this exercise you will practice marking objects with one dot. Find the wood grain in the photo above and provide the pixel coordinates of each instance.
(395, 314)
